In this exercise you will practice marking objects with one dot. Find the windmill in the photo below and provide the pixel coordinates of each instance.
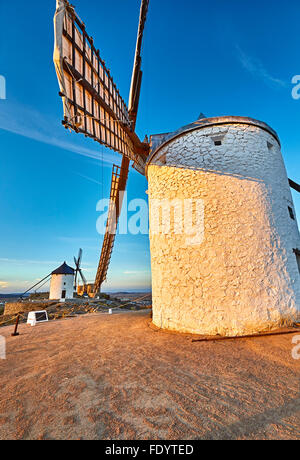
(94, 107)
(78, 272)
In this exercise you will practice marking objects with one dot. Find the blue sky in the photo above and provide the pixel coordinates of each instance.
(220, 58)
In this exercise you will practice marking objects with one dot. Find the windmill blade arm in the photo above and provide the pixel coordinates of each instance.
(136, 80)
(36, 285)
(294, 185)
(79, 257)
(83, 277)
(136, 96)
(118, 185)
(92, 103)
(126, 141)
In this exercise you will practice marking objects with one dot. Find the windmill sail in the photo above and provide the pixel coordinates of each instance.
(294, 185)
(118, 185)
(92, 103)
(137, 74)
(93, 106)
(78, 270)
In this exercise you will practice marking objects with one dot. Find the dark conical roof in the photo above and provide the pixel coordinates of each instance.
(64, 269)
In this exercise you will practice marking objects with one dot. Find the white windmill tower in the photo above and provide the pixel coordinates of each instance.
(237, 272)
(62, 283)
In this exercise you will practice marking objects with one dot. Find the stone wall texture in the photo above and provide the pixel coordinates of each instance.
(12, 308)
(243, 278)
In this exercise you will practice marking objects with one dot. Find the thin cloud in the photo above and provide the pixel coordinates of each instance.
(91, 244)
(256, 68)
(75, 239)
(3, 285)
(15, 286)
(136, 272)
(29, 123)
(28, 261)
(90, 179)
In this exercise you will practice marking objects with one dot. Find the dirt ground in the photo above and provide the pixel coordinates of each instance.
(112, 377)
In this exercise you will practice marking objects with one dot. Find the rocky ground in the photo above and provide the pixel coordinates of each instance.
(103, 376)
(70, 308)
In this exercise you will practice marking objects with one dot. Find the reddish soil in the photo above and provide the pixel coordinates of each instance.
(113, 377)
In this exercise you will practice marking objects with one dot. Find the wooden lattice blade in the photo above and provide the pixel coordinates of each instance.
(118, 185)
(92, 103)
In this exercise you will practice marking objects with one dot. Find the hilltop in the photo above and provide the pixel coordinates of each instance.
(9, 297)
(113, 377)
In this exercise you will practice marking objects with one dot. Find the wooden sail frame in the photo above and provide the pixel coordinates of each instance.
(92, 103)
(94, 107)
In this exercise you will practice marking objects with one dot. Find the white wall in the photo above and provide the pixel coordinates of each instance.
(243, 278)
(61, 283)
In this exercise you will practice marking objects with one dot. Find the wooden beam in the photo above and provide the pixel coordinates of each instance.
(294, 185)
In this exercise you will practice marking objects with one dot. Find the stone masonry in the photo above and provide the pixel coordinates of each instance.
(243, 277)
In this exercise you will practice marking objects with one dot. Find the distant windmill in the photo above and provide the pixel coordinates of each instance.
(78, 271)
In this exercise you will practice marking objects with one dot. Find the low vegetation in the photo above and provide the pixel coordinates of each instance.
(69, 309)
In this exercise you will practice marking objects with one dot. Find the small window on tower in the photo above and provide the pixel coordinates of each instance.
(270, 146)
(217, 139)
(297, 253)
(163, 159)
(298, 262)
(291, 211)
